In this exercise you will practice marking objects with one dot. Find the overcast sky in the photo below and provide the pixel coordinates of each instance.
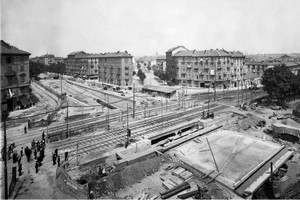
(144, 27)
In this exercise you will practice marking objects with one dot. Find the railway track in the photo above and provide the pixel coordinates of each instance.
(101, 121)
(140, 128)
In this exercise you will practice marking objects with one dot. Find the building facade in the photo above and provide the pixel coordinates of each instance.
(112, 68)
(47, 59)
(15, 82)
(255, 70)
(206, 68)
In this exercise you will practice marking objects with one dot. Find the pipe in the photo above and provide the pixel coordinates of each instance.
(174, 192)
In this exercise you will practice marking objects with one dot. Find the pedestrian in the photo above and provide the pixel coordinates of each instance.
(58, 161)
(25, 129)
(43, 136)
(35, 153)
(53, 158)
(20, 169)
(33, 144)
(36, 167)
(27, 153)
(66, 156)
(38, 145)
(15, 157)
(39, 159)
(21, 152)
(19, 161)
(42, 154)
(56, 152)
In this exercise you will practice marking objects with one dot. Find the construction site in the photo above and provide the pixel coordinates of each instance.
(123, 143)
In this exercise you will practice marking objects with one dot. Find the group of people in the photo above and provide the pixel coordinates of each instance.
(39, 151)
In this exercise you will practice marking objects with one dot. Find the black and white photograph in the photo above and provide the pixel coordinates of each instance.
(150, 99)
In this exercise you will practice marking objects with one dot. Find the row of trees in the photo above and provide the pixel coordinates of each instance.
(36, 68)
(281, 84)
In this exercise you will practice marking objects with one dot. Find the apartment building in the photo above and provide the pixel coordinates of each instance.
(47, 59)
(255, 69)
(15, 82)
(112, 68)
(206, 68)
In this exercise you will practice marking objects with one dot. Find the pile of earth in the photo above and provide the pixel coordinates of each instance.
(109, 185)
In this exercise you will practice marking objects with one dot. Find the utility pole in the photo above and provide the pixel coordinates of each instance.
(61, 85)
(246, 93)
(215, 92)
(133, 109)
(108, 114)
(242, 91)
(127, 116)
(162, 112)
(67, 118)
(5, 160)
(238, 93)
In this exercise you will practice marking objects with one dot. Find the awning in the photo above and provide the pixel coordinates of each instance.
(24, 101)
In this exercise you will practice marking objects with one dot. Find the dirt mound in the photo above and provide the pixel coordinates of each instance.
(109, 185)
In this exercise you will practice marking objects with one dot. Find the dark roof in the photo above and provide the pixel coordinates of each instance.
(251, 75)
(263, 63)
(237, 54)
(106, 55)
(9, 49)
(174, 48)
(48, 56)
(76, 52)
(159, 89)
(208, 53)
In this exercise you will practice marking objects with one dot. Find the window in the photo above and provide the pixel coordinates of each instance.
(182, 75)
(22, 68)
(9, 69)
(9, 60)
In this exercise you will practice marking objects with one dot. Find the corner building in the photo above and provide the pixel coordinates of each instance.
(15, 82)
(112, 68)
(206, 68)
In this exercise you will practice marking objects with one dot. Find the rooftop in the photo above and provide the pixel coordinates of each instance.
(9, 49)
(209, 53)
(106, 55)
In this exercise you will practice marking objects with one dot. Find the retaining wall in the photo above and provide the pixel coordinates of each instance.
(66, 184)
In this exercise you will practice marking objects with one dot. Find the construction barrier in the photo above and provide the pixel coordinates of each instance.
(66, 184)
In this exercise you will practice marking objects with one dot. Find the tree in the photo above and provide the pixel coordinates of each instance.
(141, 75)
(279, 82)
(35, 69)
(134, 73)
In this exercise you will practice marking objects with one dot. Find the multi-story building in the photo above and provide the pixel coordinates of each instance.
(113, 68)
(47, 59)
(206, 68)
(72, 66)
(15, 82)
(254, 71)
